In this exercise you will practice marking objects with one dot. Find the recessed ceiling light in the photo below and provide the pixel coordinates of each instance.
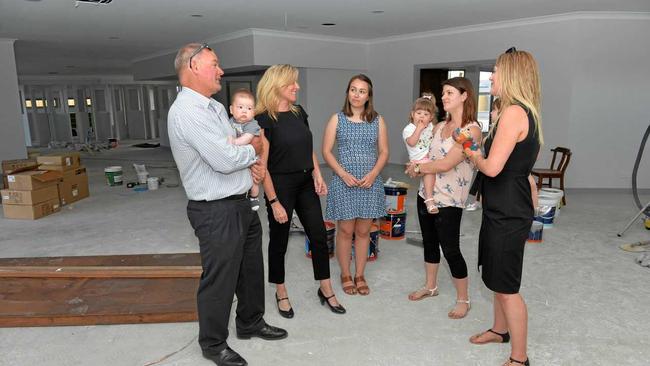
(53, 72)
(113, 37)
(197, 15)
(69, 66)
(328, 24)
(377, 11)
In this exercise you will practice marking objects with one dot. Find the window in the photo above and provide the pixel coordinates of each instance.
(89, 102)
(73, 122)
(455, 73)
(28, 103)
(55, 102)
(40, 103)
(72, 103)
(484, 99)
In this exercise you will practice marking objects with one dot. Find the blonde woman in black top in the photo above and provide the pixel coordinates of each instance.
(293, 181)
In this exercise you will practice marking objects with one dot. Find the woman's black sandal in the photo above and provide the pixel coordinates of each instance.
(512, 360)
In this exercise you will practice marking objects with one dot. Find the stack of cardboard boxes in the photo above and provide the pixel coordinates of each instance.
(32, 194)
(74, 180)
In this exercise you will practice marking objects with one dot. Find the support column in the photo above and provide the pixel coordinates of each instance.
(12, 135)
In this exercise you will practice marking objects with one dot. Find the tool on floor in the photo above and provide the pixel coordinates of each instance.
(639, 246)
(635, 192)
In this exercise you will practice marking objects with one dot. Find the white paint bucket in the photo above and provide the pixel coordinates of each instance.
(142, 177)
(152, 183)
(555, 193)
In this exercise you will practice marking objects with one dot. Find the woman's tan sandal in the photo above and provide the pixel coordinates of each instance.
(454, 315)
(423, 293)
(361, 289)
(349, 289)
(431, 206)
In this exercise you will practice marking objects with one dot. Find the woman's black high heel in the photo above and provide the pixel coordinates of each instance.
(285, 313)
(338, 309)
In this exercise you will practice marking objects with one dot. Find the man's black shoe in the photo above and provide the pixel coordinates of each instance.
(268, 332)
(227, 357)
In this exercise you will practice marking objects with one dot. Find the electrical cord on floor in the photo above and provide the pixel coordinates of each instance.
(165, 357)
(171, 354)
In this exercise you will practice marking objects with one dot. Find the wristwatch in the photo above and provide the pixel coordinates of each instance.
(273, 201)
(416, 168)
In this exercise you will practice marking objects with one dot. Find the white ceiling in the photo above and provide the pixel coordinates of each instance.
(56, 36)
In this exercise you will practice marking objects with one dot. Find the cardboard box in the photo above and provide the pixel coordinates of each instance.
(58, 168)
(33, 180)
(12, 166)
(71, 159)
(5, 183)
(14, 197)
(31, 212)
(74, 186)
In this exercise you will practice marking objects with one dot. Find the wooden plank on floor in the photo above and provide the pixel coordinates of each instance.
(88, 294)
(167, 259)
(101, 272)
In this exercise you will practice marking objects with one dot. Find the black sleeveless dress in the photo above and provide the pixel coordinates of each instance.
(507, 215)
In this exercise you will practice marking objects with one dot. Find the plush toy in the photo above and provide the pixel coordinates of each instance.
(465, 139)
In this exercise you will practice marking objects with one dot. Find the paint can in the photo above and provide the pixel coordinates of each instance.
(548, 208)
(330, 229)
(395, 199)
(556, 194)
(152, 183)
(535, 234)
(113, 175)
(393, 226)
(373, 247)
(142, 177)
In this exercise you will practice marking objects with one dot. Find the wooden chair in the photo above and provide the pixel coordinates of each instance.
(556, 170)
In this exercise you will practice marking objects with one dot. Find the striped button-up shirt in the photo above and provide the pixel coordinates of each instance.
(209, 166)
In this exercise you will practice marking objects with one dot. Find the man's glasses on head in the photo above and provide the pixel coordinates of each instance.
(511, 50)
(204, 46)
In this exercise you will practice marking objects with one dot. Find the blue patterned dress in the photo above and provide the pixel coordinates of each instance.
(357, 150)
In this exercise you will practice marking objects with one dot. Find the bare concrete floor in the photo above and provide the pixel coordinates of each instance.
(587, 299)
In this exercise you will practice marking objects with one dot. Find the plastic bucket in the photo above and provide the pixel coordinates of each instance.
(535, 234)
(550, 204)
(395, 199)
(393, 226)
(152, 183)
(330, 229)
(555, 193)
(373, 248)
(113, 175)
(142, 178)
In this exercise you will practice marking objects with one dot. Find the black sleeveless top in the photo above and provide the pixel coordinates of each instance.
(508, 194)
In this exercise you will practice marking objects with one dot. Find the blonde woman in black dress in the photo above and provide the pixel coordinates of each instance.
(510, 152)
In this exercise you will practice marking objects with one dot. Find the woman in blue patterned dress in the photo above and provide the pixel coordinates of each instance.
(356, 195)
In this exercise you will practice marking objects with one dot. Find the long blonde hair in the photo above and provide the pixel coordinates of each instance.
(274, 79)
(518, 76)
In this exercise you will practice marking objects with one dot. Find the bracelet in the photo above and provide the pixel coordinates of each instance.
(273, 201)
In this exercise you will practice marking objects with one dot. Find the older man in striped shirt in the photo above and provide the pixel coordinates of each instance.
(216, 177)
